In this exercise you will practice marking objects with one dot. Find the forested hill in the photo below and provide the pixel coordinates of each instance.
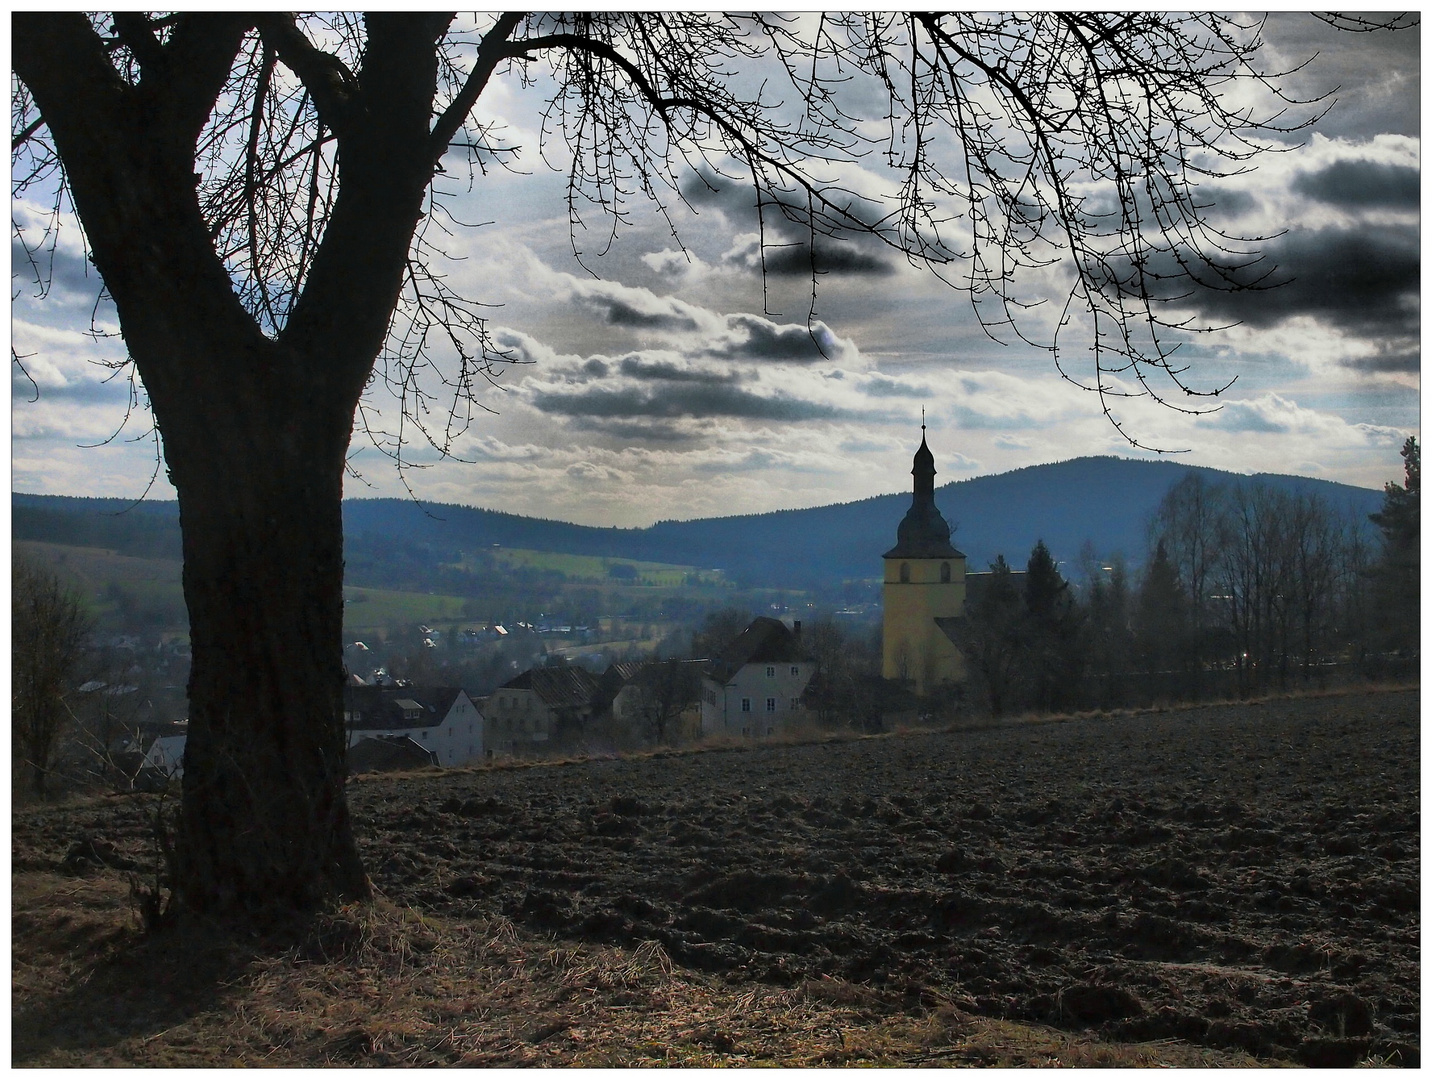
(1105, 500)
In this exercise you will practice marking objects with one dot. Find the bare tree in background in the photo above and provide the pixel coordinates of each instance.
(50, 639)
(831, 688)
(717, 631)
(1272, 575)
(262, 196)
(664, 690)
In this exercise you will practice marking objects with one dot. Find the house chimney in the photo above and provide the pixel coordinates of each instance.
(797, 628)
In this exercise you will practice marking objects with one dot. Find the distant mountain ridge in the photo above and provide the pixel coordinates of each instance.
(1105, 500)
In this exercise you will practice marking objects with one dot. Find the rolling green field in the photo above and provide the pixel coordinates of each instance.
(124, 593)
(118, 591)
(91, 569)
(366, 610)
(594, 569)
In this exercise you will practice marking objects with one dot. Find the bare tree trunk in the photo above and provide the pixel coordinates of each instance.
(264, 825)
(255, 428)
(255, 433)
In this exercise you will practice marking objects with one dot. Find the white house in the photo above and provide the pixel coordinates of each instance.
(442, 720)
(755, 687)
(166, 755)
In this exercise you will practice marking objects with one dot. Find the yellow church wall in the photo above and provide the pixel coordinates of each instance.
(914, 647)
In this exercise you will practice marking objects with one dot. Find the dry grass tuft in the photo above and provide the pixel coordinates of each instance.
(383, 985)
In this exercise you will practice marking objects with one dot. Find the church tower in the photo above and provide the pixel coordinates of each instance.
(924, 581)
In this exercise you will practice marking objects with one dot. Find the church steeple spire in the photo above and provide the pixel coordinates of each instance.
(924, 533)
(924, 469)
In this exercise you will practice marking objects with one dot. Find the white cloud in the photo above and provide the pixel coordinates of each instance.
(680, 266)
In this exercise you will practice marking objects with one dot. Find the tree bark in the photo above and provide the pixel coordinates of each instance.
(264, 825)
(255, 429)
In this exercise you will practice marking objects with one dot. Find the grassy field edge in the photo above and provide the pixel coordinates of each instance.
(383, 985)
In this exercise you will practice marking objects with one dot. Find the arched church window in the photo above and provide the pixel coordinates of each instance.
(944, 573)
(904, 573)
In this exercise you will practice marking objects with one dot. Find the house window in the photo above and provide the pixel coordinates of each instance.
(795, 670)
(770, 704)
(425, 735)
(944, 573)
(770, 673)
(904, 573)
(795, 703)
(745, 704)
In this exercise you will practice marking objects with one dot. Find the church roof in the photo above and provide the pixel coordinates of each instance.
(924, 533)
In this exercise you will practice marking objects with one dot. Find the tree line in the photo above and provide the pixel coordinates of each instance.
(1248, 588)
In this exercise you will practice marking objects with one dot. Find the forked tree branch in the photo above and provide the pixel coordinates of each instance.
(493, 50)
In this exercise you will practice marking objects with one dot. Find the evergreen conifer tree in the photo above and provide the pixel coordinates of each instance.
(1398, 578)
(1161, 618)
(1052, 631)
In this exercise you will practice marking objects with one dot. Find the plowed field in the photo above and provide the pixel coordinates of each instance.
(1233, 876)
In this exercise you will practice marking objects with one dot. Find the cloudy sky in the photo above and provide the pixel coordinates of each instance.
(660, 379)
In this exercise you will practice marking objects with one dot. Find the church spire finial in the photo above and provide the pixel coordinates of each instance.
(922, 418)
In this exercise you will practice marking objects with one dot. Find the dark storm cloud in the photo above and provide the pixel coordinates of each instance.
(1371, 80)
(84, 391)
(634, 308)
(761, 339)
(665, 371)
(620, 313)
(973, 420)
(635, 431)
(1388, 360)
(1246, 416)
(837, 251)
(63, 275)
(681, 400)
(1360, 183)
(595, 368)
(794, 259)
(1363, 281)
(1227, 201)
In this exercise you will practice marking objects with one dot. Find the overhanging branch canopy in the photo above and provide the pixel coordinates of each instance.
(986, 147)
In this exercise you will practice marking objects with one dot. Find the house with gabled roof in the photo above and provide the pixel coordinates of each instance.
(539, 708)
(755, 686)
(165, 753)
(441, 719)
